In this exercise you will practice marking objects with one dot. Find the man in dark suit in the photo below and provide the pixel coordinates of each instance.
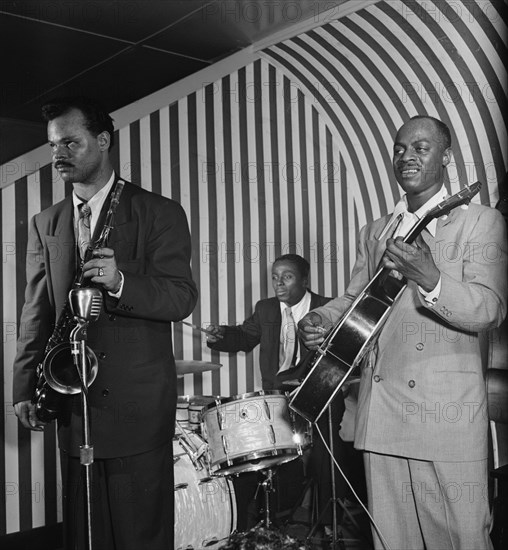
(144, 275)
(266, 327)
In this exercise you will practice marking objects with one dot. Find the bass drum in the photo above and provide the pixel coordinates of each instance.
(205, 506)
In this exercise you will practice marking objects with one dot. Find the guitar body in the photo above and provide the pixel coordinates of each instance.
(356, 332)
(346, 345)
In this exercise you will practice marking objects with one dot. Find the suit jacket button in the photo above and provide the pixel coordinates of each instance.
(105, 392)
(377, 378)
(420, 346)
(411, 383)
(102, 355)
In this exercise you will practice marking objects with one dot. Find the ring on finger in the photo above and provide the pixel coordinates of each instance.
(101, 272)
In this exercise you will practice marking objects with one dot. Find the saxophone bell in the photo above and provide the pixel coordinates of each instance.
(60, 372)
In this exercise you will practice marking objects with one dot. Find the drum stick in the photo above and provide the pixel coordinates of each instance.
(195, 327)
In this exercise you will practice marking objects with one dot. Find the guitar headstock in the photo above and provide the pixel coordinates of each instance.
(464, 196)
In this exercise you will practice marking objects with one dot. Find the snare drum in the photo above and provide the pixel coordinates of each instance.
(205, 506)
(249, 432)
(196, 407)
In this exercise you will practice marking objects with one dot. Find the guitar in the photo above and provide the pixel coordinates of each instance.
(356, 332)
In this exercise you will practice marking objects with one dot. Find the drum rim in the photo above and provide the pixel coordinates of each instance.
(188, 399)
(241, 396)
(248, 457)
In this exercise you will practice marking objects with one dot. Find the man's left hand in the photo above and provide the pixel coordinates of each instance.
(102, 269)
(413, 261)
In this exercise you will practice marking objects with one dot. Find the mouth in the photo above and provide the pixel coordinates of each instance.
(408, 172)
(63, 166)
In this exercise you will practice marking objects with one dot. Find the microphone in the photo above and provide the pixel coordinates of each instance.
(86, 303)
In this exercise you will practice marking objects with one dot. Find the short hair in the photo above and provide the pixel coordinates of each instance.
(301, 264)
(97, 120)
(442, 128)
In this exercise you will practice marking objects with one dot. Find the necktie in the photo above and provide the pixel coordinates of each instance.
(84, 236)
(288, 340)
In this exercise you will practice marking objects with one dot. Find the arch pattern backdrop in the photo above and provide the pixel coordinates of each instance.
(381, 65)
(289, 153)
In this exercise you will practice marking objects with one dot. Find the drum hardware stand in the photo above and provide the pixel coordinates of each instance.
(336, 541)
(268, 488)
(191, 450)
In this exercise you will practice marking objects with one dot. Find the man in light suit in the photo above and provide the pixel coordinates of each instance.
(290, 281)
(144, 275)
(421, 416)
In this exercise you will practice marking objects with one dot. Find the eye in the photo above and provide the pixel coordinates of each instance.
(72, 145)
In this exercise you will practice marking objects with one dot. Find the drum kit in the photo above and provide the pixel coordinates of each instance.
(216, 438)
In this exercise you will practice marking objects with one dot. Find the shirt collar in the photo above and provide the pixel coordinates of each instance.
(300, 309)
(401, 209)
(98, 198)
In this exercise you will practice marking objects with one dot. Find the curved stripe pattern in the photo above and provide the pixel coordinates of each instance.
(377, 67)
(291, 153)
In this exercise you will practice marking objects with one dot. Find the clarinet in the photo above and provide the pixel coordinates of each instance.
(56, 375)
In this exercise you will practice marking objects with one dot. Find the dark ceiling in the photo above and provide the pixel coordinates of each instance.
(119, 51)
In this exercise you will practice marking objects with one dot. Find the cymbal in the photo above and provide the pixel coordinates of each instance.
(194, 367)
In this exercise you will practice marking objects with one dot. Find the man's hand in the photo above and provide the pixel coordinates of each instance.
(413, 261)
(311, 330)
(214, 333)
(25, 411)
(102, 270)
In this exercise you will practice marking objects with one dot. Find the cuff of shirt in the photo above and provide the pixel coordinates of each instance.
(432, 296)
(118, 293)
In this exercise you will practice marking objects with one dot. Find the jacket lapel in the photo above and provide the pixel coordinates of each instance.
(61, 255)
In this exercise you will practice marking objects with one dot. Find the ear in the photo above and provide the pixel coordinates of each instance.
(103, 140)
(447, 156)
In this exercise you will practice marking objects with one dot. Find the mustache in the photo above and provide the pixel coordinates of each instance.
(402, 165)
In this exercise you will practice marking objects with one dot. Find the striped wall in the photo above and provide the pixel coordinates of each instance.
(289, 152)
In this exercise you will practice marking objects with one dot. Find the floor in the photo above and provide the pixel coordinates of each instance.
(352, 533)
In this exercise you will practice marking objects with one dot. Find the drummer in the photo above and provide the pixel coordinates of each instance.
(272, 326)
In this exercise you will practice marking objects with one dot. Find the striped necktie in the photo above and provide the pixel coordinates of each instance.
(84, 236)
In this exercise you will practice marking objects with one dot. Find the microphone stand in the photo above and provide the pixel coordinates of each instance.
(78, 350)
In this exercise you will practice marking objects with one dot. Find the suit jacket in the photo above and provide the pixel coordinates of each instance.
(422, 392)
(133, 399)
(263, 328)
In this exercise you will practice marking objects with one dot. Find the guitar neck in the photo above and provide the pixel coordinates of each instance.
(419, 226)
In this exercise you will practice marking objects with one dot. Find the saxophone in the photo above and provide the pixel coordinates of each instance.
(56, 374)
